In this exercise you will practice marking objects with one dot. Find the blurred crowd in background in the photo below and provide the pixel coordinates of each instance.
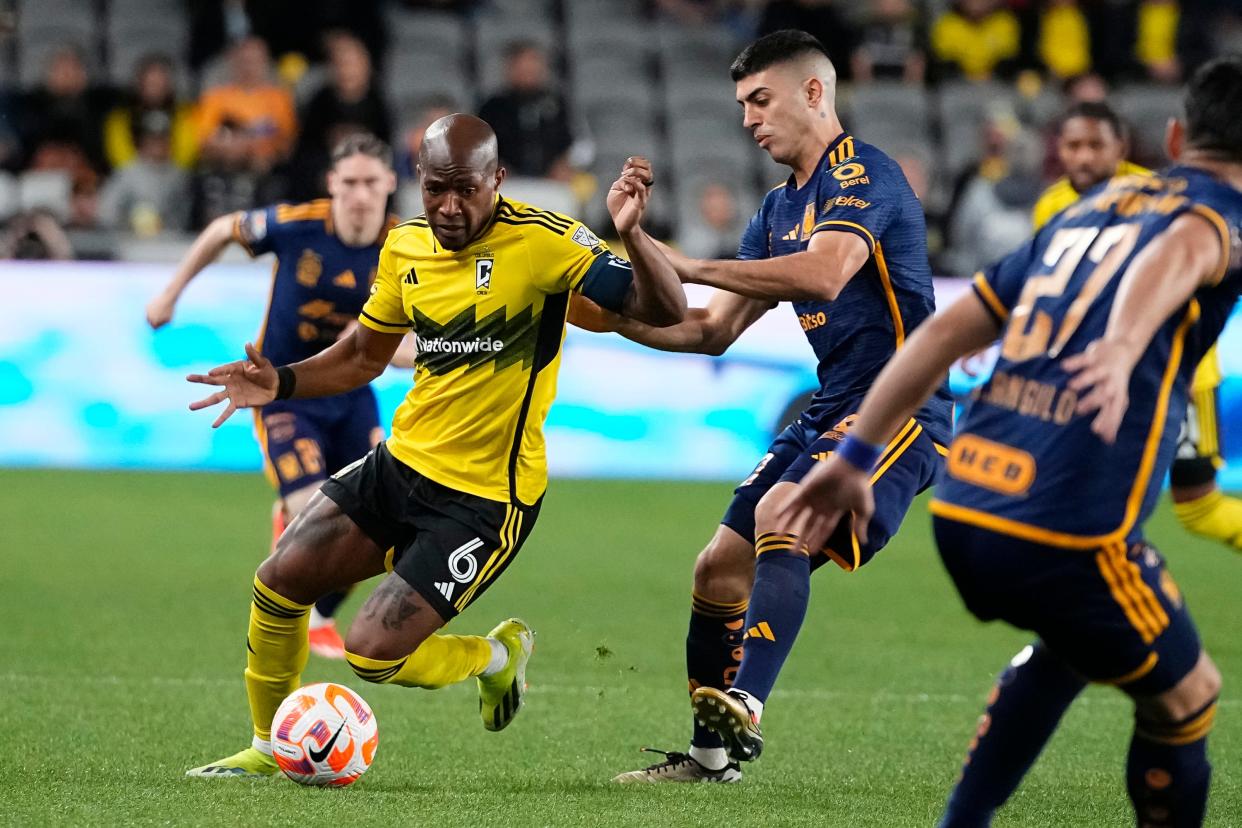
(132, 120)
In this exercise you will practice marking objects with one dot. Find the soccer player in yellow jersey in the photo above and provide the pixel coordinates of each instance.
(1092, 146)
(485, 284)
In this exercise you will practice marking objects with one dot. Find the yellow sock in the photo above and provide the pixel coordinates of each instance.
(439, 661)
(1214, 516)
(276, 651)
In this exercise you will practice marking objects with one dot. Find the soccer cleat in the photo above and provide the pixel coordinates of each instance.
(679, 767)
(731, 719)
(247, 764)
(326, 642)
(500, 695)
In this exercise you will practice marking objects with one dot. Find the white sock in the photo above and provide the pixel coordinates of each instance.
(317, 620)
(753, 704)
(500, 658)
(713, 759)
(261, 745)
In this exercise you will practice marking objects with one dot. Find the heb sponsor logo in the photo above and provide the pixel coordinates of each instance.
(437, 345)
(846, 201)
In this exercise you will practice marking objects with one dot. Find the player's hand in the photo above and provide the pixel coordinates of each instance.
(833, 490)
(248, 383)
(1101, 377)
(627, 198)
(585, 314)
(160, 311)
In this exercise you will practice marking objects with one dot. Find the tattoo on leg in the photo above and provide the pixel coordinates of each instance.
(390, 601)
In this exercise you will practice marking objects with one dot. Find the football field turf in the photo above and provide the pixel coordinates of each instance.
(122, 618)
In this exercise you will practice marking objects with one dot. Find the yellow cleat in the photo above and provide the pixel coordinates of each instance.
(247, 764)
(500, 695)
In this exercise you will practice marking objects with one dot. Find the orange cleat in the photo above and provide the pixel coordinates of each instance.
(326, 642)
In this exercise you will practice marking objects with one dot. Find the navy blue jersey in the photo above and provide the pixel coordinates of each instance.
(319, 283)
(856, 189)
(1023, 462)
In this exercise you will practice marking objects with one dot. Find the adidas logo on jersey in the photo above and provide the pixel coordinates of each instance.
(792, 235)
(445, 588)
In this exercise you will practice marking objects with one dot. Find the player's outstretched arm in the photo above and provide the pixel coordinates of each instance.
(205, 250)
(350, 363)
(710, 330)
(656, 297)
(842, 484)
(816, 274)
(1162, 278)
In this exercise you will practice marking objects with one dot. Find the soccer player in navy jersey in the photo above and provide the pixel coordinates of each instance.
(844, 240)
(327, 252)
(1102, 317)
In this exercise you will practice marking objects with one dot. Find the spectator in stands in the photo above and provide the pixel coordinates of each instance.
(531, 123)
(1156, 44)
(152, 107)
(34, 235)
(976, 40)
(1064, 39)
(248, 122)
(151, 193)
(285, 25)
(713, 232)
(349, 102)
(65, 111)
(991, 214)
(891, 45)
(1084, 88)
(820, 18)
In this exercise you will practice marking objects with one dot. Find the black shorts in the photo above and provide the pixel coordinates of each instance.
(1113, 614)
(449, 545)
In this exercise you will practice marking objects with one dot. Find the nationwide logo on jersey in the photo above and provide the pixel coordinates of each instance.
(467, 342)
(310, 267)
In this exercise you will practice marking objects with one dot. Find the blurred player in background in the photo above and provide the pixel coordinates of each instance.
(455, 491)
(844, 240)
(1092, 145)
(1103, 317)
(327, 252)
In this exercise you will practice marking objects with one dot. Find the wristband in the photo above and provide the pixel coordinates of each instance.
(286, 381)
(859, 454)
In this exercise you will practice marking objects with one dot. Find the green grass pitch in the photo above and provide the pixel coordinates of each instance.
(123, 603)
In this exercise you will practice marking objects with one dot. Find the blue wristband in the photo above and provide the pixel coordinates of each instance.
(858, 454)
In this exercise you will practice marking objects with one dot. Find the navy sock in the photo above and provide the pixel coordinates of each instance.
(328, 604)
(1167, 771)
(778, 602)
(1023, 711)
(713, 650)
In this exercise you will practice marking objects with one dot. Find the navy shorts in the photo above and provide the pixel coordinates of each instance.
(1113, 614)
(911, 462)
(306, 441)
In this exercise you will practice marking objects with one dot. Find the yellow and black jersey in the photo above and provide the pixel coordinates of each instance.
(489, 320)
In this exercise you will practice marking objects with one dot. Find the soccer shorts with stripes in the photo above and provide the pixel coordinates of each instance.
(910, 463)
(447, 544)
(1114, 614)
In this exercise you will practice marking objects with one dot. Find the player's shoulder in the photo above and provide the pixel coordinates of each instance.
(545, 229)
(309, 214)
(853, 162)
(410, 235)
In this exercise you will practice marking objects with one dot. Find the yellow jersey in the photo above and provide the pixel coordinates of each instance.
(1061, 195)
(489, 320)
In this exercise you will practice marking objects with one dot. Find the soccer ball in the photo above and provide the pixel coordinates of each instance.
(324, 734)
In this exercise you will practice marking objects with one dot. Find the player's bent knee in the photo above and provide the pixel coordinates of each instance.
(725, 569)
(1188, 699)
(768, 508)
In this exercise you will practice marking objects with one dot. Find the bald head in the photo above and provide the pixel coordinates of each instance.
(460, 173)
(459, 142)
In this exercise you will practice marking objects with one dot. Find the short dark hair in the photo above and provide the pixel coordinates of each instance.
(516, 48)
(362, 143)
(1212, 103)
(774, 48)
(1096, 111)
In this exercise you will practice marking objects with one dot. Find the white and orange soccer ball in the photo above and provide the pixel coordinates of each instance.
(324, 734)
